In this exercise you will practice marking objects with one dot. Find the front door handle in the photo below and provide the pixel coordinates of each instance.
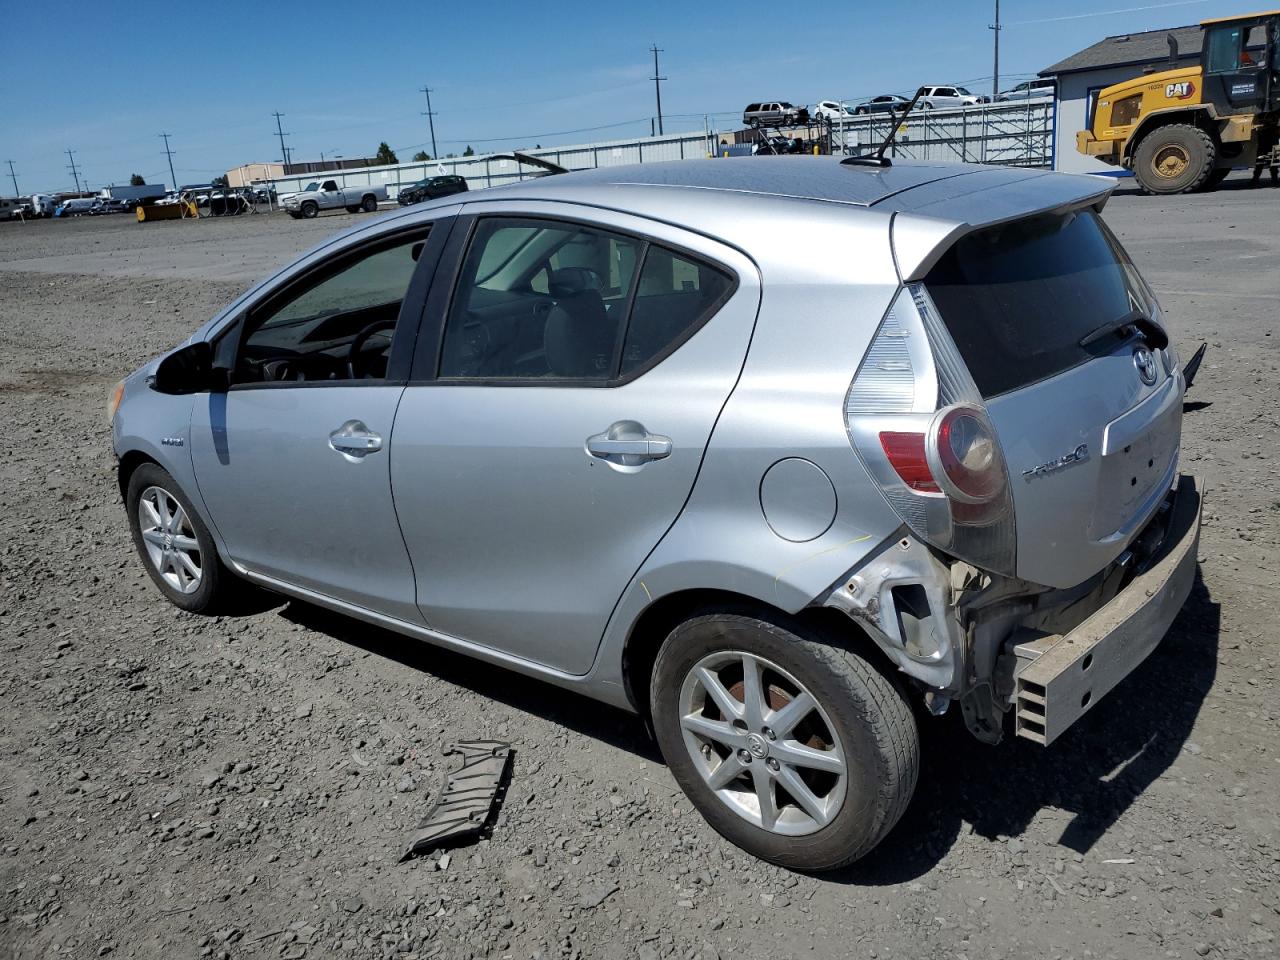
(627, 443)
(355, 441)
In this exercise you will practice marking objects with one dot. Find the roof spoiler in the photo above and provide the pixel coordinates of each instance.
(531, 161)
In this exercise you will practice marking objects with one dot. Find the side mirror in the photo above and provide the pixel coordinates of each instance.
(186, 370)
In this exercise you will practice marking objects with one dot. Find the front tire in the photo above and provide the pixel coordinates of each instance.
(791, 746)
(174, 544)
(1177, 158)
(310, 210)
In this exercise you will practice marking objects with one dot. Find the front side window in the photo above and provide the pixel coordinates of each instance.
(547, 300)
(1225, 47)
(337, 325)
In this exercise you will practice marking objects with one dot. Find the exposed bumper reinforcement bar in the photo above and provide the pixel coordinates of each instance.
(1069, 676)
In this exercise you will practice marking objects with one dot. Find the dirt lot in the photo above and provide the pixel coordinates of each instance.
(172, 786)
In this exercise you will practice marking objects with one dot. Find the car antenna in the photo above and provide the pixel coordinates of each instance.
(878, 159)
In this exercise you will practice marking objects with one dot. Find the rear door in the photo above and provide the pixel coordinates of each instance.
(558, 416)
(1089, 422)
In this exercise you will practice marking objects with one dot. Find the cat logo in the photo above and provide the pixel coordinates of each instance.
(1179, 91)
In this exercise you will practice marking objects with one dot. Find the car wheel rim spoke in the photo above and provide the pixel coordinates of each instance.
(762, 743)
(169, 540)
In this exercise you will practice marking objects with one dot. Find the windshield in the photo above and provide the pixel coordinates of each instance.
(311, 186)
(1018, 298)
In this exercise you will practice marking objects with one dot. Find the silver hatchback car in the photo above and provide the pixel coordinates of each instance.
(783, 454)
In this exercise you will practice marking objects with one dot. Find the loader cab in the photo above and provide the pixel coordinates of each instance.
(1241, 64)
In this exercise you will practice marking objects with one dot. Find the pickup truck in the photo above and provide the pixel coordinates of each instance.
(327, 195)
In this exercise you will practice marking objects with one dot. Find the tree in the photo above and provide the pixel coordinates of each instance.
(421, 156)
(137, 180)
(468, 152)
(385, 154)
(218, 182)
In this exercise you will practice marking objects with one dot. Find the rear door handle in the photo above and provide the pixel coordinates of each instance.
(354, 440)
(647, 446)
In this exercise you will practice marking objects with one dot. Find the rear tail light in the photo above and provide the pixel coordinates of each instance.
(907, 456)
(919, 425)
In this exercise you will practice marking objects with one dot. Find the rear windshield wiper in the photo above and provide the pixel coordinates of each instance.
(1135, 319)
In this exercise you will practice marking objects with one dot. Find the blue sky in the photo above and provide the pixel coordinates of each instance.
(104, 80)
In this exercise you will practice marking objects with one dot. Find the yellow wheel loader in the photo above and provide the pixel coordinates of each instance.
(1185, 129)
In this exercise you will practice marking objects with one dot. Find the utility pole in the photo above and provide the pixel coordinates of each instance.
(995, 70)
(657, 83)
(74, 173)
(14, 177)
(431, 122)
(169, 153)
(284, 151)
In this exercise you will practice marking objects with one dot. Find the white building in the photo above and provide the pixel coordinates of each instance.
(1081, 75)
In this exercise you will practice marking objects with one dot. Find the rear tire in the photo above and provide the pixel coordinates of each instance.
(1173, 159)
(369, 204)
(174, 544)
(852, 757)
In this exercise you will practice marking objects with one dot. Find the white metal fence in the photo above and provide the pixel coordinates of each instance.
(1017, 134)
(1014, 134)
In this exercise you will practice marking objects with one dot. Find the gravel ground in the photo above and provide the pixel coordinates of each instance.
(242, 787)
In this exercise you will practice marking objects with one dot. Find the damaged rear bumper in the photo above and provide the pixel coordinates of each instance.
(1059, 678)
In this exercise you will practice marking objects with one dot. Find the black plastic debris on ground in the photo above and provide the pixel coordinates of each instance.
(469, 799)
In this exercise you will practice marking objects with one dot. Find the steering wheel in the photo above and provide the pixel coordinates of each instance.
(357, 346)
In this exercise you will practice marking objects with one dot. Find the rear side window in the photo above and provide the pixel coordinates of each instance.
(675, 295)
(542, 300)
(1018, 298)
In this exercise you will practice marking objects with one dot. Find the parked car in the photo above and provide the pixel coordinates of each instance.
(771, 548)
(832, 110)
(1030, 90)
(771, 114)
(888, 103)
(947, 98)
(327, 195)
(79, 207)
(431, 188)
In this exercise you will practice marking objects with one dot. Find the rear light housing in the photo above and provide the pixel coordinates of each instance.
(917, 422)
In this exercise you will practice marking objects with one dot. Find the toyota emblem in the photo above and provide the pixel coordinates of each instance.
(1146, 364)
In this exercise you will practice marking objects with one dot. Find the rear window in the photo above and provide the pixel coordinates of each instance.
(1018, 298)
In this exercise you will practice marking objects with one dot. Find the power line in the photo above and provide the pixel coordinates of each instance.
(14, 177)
(657, 83)
(284, 151)
(74, 173)
(431, 120)
(1107, 13)
(169, 153)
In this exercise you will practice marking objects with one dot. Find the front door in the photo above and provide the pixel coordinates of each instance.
(292, 460)
(1237, 75)
(562, 421)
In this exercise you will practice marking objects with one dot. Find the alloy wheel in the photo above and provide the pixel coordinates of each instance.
(170, 540)
(762, 743)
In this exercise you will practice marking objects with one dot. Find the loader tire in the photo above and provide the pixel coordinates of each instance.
(1178, 158)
